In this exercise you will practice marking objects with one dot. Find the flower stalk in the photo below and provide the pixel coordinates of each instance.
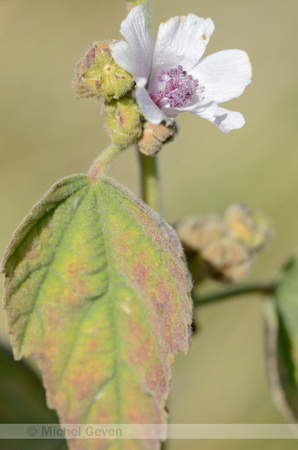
(102, 163)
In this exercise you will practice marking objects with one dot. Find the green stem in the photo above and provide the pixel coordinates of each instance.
(103, 161)
(163, 445)
(260, 289)
(150, 187)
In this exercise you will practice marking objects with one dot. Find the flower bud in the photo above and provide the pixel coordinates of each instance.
(98, 73)
(249, 226)
(123, 122)
(227, 260)
(154, 136)
(198, 232)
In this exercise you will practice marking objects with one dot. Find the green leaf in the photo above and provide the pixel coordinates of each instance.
(97, 290)
(282, 340)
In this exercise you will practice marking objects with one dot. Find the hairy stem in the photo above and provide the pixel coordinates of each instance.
(150, 187)
(103, 161)
(258, 288)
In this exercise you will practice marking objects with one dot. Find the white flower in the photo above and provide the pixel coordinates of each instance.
(172, 78)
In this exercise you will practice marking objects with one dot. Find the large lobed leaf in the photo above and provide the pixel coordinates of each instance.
(97, 290)
(282, 340)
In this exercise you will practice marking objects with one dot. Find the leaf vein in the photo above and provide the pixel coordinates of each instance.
(48, 269)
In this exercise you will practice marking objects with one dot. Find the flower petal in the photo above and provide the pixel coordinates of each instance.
(207, 110)
(225, 120)
(180, 41)
(152, 112)
(224, 74)
(228, 120)
(134, 55)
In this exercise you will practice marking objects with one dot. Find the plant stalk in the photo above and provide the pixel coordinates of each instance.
(150, 184)
(103, 161)
(264, 289)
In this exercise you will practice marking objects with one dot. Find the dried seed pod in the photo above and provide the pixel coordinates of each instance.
(227, 260)
(123, 123)
(198, 232)
(99, 73)
(249, 226)
(154, 136)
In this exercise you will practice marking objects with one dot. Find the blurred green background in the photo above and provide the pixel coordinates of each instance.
(46, 134)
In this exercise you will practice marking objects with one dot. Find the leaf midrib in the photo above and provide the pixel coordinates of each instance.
(113, 318)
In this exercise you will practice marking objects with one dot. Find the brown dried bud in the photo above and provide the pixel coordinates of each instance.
(227, 260)
(198, 232)
(98, 73)
(154, 136)
(227, 247)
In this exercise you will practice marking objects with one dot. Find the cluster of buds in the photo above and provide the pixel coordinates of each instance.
(97, 74)
(225, 247)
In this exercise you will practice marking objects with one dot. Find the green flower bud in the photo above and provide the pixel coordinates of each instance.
(123, 121)
(99, 73)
